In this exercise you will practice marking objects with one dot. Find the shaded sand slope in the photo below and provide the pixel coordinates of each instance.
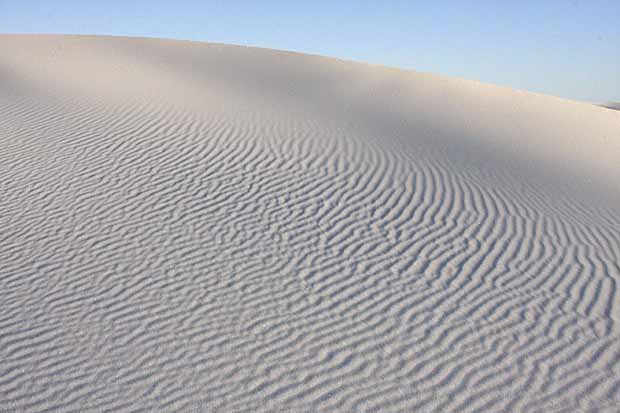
(611, 105)
(197, 227)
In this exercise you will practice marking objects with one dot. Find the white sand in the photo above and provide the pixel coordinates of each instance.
(197, 227)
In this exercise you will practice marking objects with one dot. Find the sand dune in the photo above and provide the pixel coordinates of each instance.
(199, 227)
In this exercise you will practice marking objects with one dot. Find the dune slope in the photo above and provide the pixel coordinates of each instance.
(198, 227)
(611, 105)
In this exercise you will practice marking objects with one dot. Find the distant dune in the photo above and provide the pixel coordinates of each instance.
(611, 105)
(199, 227)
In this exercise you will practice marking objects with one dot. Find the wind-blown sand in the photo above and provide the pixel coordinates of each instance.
(198, 227)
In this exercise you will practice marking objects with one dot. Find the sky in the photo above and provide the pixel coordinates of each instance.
(565, 48)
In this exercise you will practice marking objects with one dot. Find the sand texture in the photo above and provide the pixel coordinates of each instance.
(194, 227)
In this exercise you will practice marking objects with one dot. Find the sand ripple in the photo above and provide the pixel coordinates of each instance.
(196, 227)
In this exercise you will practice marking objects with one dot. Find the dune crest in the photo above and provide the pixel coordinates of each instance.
(198, 227)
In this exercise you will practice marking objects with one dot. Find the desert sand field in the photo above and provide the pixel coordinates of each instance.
(195, 227)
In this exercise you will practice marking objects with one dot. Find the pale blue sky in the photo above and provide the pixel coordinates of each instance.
(564, 48)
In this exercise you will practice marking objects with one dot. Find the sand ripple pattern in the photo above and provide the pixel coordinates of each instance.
(198, 227)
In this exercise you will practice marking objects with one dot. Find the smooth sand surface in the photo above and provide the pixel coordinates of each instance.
(198, 227)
